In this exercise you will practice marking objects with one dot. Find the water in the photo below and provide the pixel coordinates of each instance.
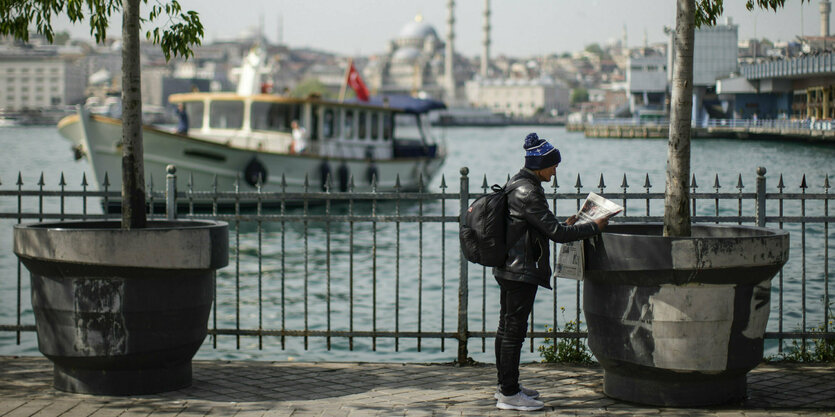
(399, 285)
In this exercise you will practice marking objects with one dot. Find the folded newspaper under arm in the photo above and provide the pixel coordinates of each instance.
(571, 260)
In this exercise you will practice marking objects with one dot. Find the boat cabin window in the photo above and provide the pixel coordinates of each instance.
(194, 110)
(226, 114)
(314, 123)
(361, 122)
(375, 126)
(408, 126)
(349, 124)
(388, 126)
(330, 124)
(273, 116)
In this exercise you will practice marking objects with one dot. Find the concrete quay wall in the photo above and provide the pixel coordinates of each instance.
(662, 131)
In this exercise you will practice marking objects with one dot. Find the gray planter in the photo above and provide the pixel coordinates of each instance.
(121, 312)
(680, 321)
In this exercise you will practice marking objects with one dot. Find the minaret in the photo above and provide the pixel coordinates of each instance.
(449, 76)
(485, 50)
(825, 8)
(624, 46)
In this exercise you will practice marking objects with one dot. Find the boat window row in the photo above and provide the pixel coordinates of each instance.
(350, 124)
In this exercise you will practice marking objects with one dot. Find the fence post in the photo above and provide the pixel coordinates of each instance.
(171, 192)
(463, 289)
(761, 196)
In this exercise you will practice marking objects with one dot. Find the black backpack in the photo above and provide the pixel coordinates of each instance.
(483, 228)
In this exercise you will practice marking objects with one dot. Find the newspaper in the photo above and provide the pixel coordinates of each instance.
(597, 207)
(571, 260)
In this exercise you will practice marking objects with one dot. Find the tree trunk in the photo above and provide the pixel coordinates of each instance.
(676, 195)
(133, 171)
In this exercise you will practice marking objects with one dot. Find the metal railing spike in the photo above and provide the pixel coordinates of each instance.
(350, 182)
(739, 185)
(780, 184)
(716, 182)
(84, 180)
(693, 183)
(601, 184)
(19, 179)
(106, 182)
(62, 183)
(306, 182)
(283, 181)
(397, 183)
(41, 181)
(484, 183)
(826, 182)
(190, 180)
(374, 182)
(803, 182)
(624, 184)
(647, 185)
(443, 182)
(578, 185)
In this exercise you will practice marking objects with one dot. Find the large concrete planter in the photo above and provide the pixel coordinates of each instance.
(680, 321)
(121, 312)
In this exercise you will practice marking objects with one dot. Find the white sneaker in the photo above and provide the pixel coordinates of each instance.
(528, 391)
(520, 402)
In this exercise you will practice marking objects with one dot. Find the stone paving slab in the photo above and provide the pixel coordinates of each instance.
(274, 389)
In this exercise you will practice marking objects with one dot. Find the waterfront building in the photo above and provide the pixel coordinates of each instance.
(39, 77)
(646, 81)
(799, 87)
(519, 97)
(715, 55)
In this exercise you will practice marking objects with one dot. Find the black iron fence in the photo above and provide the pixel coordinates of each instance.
(387, 265)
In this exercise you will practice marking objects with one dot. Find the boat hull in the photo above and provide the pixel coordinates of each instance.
(207, 166)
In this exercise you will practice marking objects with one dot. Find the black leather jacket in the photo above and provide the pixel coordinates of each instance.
(531, 224)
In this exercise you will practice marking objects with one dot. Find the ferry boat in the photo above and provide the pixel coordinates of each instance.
(244, 138)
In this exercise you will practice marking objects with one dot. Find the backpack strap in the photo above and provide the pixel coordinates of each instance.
(507, 189)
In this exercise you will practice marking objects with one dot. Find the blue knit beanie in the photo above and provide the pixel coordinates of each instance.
(540, 154)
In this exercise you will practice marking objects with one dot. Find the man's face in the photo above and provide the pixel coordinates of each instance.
(548, 173)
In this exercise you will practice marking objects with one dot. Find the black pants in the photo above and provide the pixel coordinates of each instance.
(516, 305)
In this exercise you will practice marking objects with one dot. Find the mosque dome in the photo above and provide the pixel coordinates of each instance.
(406, 54)
(417, 29)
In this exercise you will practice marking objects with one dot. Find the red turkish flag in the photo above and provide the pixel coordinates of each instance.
(355, 82)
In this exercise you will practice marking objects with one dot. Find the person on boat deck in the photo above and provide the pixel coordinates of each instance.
(182, 124)
(530, 225)
(299, 137)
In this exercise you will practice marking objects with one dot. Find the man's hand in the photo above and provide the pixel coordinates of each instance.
(602, 223)
(571, 220)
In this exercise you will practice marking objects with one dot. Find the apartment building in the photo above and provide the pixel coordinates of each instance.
(42, 77)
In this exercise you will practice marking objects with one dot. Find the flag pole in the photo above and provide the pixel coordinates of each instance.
(345, 80)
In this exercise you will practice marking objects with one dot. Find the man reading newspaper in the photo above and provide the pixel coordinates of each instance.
(570, 258)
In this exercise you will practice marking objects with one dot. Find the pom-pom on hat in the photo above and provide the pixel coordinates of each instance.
(539, 154)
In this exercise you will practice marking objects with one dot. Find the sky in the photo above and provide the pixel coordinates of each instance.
(519, 27)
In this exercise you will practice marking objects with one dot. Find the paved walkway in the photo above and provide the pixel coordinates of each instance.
(361, 389)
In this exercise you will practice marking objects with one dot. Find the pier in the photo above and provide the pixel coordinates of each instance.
(804, 131)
